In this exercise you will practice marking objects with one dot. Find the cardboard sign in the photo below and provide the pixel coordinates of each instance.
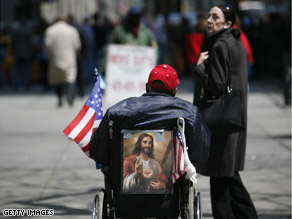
(147, 161)
(127, 71)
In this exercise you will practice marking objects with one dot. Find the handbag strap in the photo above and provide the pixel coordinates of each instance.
(228, 84)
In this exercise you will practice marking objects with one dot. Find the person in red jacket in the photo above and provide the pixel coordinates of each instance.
(195, 39)
(245, 42)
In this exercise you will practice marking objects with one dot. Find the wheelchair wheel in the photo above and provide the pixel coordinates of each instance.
(190, 208)
(194, 204)
(98, 205)
(197, 205)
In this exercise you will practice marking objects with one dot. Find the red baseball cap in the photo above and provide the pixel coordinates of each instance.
(165, 74)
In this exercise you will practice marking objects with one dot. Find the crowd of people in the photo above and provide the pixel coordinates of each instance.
(178, 41)
(62, 55)
(36, 52)
(28, 55)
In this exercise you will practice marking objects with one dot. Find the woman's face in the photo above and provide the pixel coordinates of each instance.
(216, 20)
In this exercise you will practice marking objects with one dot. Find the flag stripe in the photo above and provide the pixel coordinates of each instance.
(76, 120)
(174, 149)
(178, 162)
(86, 129)
(86, 139)
(88, 114)
(85, 148)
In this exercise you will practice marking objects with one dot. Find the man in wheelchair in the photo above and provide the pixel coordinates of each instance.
(158, 108)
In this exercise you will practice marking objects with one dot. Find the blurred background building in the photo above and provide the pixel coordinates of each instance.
(266, 23)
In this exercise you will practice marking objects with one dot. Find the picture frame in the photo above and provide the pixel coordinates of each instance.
(147, 170)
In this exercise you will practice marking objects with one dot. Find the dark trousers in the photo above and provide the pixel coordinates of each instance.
(22, 65)
(68, 89)
(230, 199)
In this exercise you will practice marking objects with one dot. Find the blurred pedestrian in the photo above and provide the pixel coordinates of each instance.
(159, 29)
(195, 39)
(62, 44)
(80, 71)
(3, 80)
(133, 31)
(102, 30)
(40, 51)
(88, 52)
(245, 42)
(224, 55)
(22, 51)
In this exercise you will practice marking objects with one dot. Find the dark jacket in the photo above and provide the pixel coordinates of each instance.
(226, 54)
(22, 45)
(148, 112)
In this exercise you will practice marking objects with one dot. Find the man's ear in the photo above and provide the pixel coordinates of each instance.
(147, 87)
(174, 92)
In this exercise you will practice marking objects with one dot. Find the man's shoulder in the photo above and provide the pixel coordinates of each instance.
(152, 99)
(56, 27)
(123, 103)
(172, 101)
(62, 25)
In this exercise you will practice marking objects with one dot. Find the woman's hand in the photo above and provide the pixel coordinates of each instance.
(203, 57)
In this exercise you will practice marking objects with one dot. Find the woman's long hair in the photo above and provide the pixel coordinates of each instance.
(137, 148)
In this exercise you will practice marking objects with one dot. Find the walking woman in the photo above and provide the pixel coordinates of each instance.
(224, 54)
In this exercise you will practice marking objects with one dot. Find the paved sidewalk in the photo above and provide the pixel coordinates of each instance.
(40, 168)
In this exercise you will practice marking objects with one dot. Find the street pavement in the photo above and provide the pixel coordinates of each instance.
(40, 168)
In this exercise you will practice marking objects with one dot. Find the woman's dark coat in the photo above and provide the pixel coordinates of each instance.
(226, 54)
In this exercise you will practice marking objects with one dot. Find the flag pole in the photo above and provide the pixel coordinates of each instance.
(95, 75)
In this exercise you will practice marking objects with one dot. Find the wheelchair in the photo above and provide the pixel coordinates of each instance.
(176, 199)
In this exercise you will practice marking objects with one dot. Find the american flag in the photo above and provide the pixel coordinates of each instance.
(178, 168)
(88, 119)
